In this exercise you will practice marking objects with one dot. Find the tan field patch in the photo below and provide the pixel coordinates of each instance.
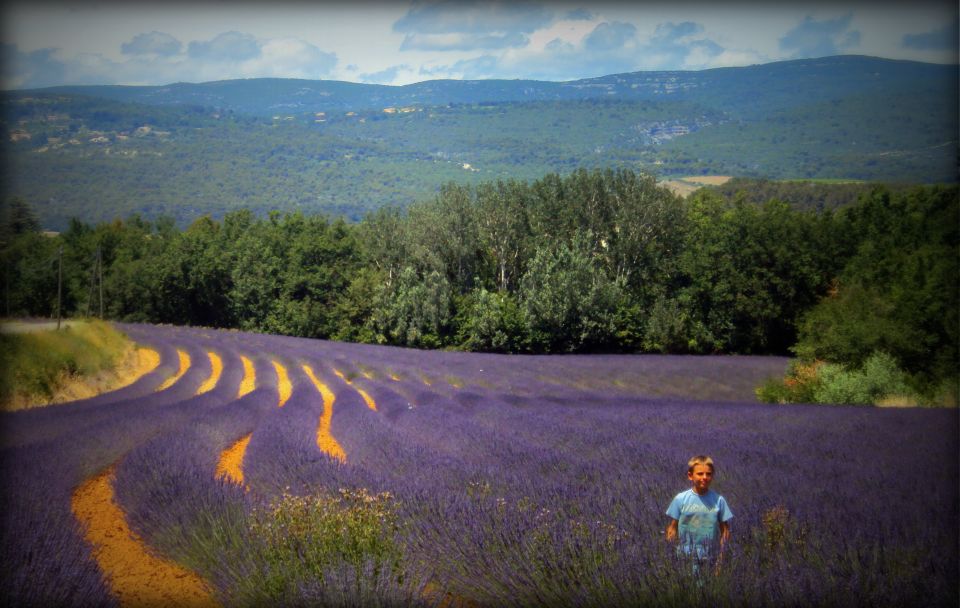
(897, 401)
(684, 186)
(708, 180)
(135, 576)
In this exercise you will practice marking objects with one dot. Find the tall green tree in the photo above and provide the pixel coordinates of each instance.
(568, 300)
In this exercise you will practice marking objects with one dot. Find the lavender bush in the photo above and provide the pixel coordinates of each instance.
(529, 481)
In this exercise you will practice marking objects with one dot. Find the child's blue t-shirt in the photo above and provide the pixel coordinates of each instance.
(699, 518)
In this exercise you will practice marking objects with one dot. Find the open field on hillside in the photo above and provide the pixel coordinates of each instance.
(251, 469)
(685, 186)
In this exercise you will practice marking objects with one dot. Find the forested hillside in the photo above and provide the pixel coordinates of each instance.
(592, 261)
(95, 153)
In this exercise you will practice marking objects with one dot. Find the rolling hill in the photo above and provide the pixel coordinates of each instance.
(184, 150)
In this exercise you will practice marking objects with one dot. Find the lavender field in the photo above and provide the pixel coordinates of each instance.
(365, 475)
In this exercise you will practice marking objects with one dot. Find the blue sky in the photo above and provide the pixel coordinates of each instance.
(47, 43)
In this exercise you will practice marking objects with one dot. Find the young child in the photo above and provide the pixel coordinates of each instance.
(699, 517)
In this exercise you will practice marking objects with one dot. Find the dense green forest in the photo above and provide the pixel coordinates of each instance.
(591, 261)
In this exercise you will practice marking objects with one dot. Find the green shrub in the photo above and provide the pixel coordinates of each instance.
(878, 379)
(34, 365)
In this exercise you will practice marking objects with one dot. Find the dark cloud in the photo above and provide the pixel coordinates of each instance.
(813, 38)
(580, 14)
(671, 32)
(229, 46)
(384, 76)
(559, 45)
(152, 43)
(709, 47)
(463, 42)
(672, 44)
(609, 36)
(30, 70)
(472, 17)
(941, 39)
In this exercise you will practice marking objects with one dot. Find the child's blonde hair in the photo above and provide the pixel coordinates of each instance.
(705, 460)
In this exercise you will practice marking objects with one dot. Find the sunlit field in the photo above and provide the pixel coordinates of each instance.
(251, 469)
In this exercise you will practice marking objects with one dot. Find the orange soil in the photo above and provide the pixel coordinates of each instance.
(366, 397)
(230, 464)
(216, 365)
(135, 575)
(283, 383)
(435, 597)
(249, 377)
(184, 366)
(325, 440)
(145, 361)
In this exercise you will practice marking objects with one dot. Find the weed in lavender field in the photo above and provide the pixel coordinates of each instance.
(306, 538)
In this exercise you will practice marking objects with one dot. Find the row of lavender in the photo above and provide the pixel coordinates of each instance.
(518, 480)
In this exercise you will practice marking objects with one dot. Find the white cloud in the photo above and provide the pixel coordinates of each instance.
(289, 58)
(609, 36)
(230, 47)
(48, 44)
(462, 41)
(386, 76)
(152, 43)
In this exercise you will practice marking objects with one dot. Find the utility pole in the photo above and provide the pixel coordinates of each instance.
(100, 271)
(59, 283)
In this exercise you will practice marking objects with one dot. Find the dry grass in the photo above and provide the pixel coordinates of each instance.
(685, 186)
(123, 363)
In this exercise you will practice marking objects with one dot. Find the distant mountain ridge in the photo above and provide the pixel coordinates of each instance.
(185, 150)
(777, 81)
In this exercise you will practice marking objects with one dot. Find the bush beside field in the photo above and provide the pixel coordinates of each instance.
(877, 382)
(35, 365)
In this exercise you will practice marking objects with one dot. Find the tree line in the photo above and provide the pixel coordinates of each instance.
(593, 261)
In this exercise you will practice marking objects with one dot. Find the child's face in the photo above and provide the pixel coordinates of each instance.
(701, 476)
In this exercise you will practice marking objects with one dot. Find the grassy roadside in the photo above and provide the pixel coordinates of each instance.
(44, 367)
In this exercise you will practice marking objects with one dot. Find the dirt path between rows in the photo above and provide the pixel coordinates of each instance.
(230, 464)
(137, 577)
(325, 440)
